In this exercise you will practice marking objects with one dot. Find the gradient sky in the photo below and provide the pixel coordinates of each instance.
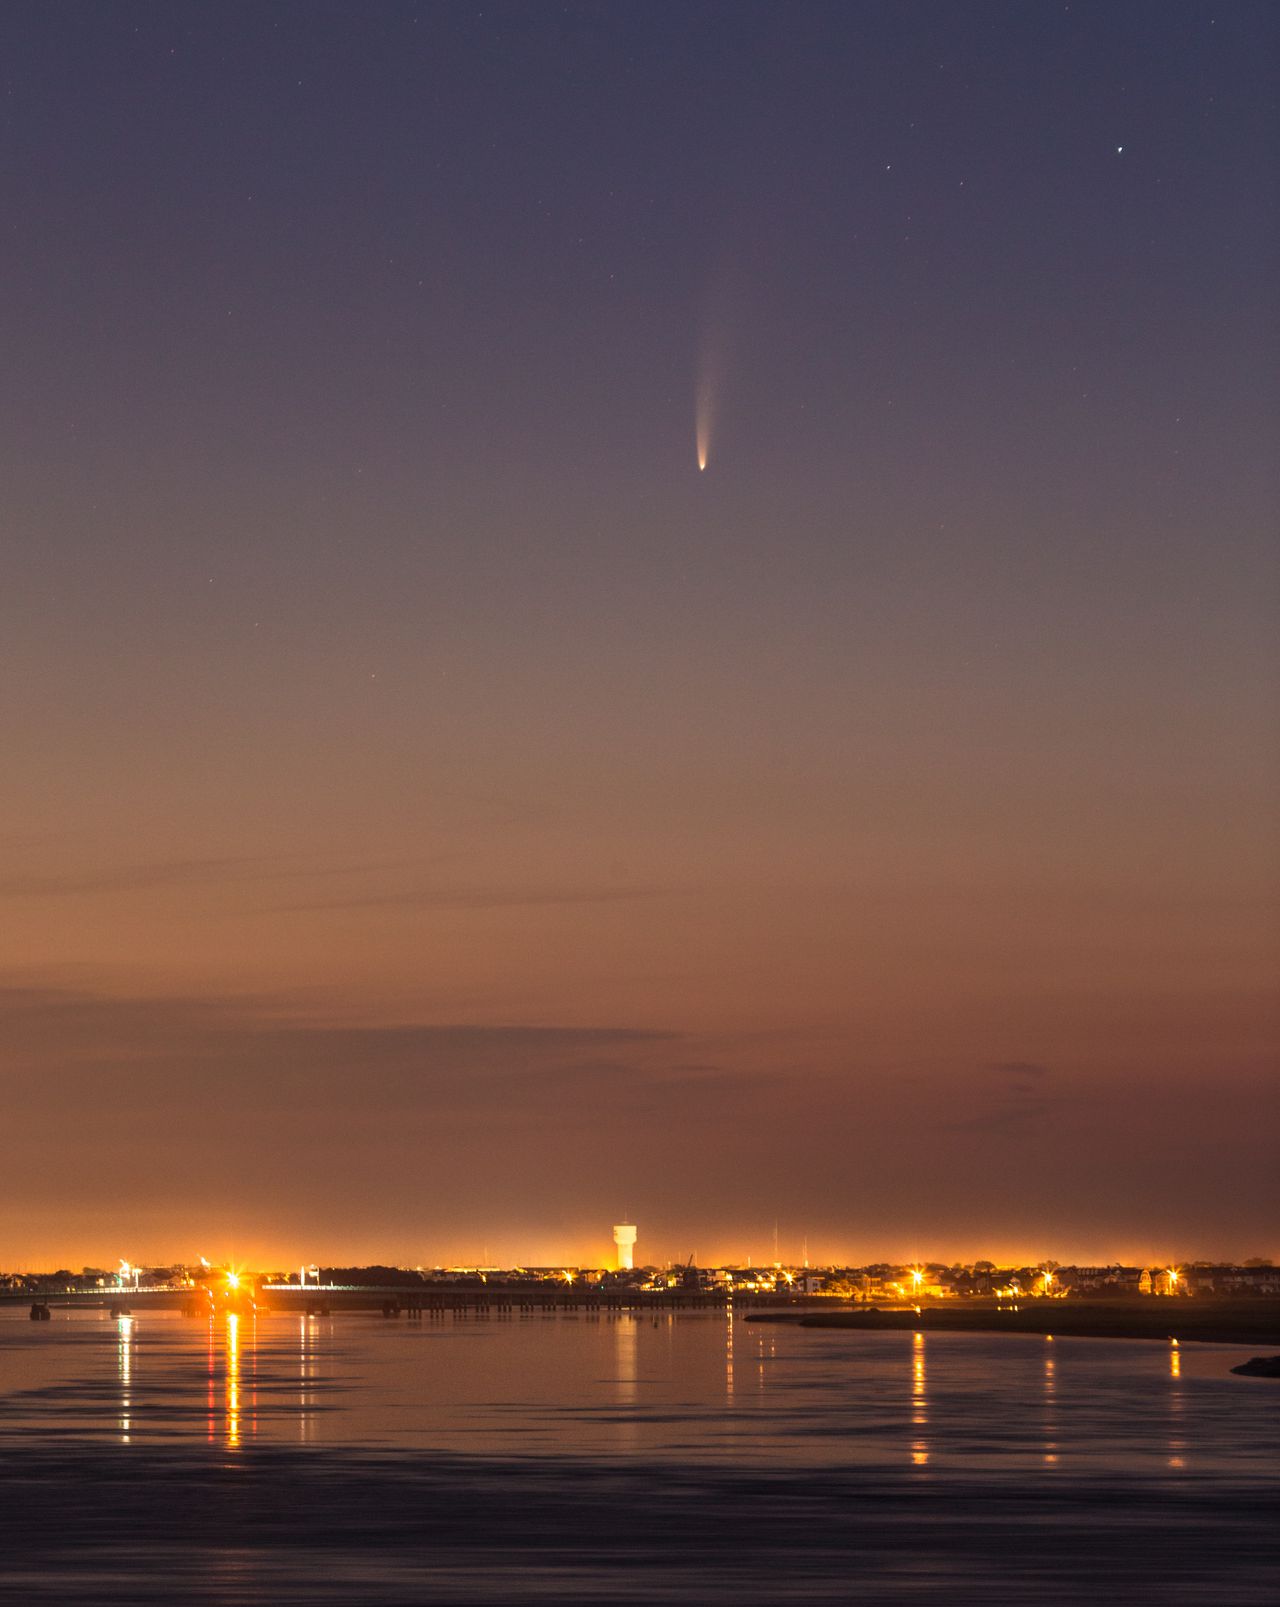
(436, 818)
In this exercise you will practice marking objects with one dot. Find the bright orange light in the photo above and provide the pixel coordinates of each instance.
(233, 1280)
(233, 1377)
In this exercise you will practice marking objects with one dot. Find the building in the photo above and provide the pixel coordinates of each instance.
(624, 1236)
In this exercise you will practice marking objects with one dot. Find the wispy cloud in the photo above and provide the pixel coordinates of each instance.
(381, 885)
(470, 898)
(159, 874)
(86, 1052)
(1013, 1094)
(1020, 1073)
(137, 877)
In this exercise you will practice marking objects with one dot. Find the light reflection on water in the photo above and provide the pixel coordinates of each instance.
(1177, 1444)
(630, 1385)
(125, 1357)
(1050, 1401)
(919, 1401)
(233, 1378)
(359, 1460)
(728, 1357)
(306, 1376)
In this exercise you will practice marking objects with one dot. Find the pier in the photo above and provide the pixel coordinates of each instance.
(505, 1300)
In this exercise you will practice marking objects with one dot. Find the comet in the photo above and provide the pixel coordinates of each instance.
(720, 317)
(703, 414)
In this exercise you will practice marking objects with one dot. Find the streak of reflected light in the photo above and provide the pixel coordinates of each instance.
(919, 1400)
(124, 1351)
(233, 1379)
(1050, 1401)
(626, 1340)
(728, 1353)
(211, 1372)
(1177, 1403)
(306, 1374)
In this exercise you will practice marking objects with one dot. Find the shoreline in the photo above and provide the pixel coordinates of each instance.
(1254, 1322)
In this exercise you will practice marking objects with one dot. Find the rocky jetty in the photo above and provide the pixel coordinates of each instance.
(1260, 1367)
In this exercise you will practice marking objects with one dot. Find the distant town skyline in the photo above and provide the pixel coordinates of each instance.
(605, 1254)
(623, 608)
(1170, 1274)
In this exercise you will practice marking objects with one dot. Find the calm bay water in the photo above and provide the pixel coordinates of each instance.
(354, 1459)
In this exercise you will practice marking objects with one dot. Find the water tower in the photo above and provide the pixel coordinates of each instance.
(624, 1236)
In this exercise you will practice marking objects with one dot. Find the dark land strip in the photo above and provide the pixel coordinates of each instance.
(1244, 1322)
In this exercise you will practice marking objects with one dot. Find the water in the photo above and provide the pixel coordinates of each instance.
(624, 1459)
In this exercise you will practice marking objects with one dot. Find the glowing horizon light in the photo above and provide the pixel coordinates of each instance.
(233, 1280)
